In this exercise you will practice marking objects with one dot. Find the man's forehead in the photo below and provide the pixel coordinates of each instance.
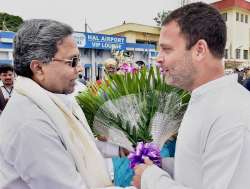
(171, 32)
(68, 47)
(171, 28)
(67, 41)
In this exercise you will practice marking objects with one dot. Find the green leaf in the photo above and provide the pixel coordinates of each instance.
(150, 90)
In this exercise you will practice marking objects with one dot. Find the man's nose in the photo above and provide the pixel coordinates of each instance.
(159, 59)
(79, 68)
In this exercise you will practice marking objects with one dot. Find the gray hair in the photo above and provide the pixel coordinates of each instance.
(37, 39)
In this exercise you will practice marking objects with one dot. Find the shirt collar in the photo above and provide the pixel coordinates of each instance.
(6, 87)
(216, 84)
(66, 99)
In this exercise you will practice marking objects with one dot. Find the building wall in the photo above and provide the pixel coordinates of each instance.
(131, 27)
(238, 31)
(133, 37)
(6, 40)
(135, 32)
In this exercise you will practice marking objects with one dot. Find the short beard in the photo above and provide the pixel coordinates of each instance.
(186, 79)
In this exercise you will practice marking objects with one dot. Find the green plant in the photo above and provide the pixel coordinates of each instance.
(129, 102)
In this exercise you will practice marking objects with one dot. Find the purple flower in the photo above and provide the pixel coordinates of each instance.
(127, 68)
(143, 150)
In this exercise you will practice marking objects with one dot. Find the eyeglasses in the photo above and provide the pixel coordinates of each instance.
(73, 62)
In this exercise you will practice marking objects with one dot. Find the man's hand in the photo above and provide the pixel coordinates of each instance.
(139, 169)
(123, 152)
(102, 138)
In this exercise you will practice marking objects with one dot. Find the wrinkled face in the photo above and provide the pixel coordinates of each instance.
(174, 60)
(7, 78)
(59, 76)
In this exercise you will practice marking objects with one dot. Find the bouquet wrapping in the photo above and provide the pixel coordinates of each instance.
(135, 109)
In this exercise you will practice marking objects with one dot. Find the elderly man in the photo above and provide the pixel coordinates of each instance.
(45, 140)
(213, 144)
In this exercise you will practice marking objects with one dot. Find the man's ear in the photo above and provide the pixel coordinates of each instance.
(200, 50)
(36, 67)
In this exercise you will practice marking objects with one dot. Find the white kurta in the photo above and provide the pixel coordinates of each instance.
(33, 150)
(213, 144)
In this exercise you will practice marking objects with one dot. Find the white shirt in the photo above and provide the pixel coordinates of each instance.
(6, 92)
(79, 87)
(213, 144)
(32, 149)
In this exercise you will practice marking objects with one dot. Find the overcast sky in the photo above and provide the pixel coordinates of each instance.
(99, 14)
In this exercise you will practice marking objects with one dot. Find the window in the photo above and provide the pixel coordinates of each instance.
(99, 52)
(237, 16)
(224, 16)
(146, 42)
(245, 54)
(145, 54)
(128, 53)
(237, 55)
(99, 73)
(4, 55)
(86, 52)
(87, 73)
(242, 17)
(226, 54)
(246, 18)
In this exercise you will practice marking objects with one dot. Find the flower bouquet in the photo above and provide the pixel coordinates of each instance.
(135, 110)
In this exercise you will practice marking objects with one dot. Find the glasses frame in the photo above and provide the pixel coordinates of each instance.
(72, 62)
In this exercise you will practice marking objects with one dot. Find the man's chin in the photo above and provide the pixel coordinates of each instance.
(169, 81)
(68, 92)
(172, 83)
(8, 84)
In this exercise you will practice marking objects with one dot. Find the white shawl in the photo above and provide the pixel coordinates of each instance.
(79, 140)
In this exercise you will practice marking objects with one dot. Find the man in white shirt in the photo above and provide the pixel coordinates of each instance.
(213, 144)
(7, 78)
(45, 140)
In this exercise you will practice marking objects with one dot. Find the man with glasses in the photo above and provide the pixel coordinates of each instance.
(45, 140)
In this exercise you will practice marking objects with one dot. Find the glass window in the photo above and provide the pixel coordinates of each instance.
(86, 52)
(226, 54)
(99, 52)
(237, 55)
(4, 55)
(245, 54)
(246, 18)
(87, 73)
(242, 17)
(99, 73)
(224, 16)
(237, 16)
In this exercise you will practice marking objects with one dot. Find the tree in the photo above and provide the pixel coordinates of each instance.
(10, 22)
(160, 17)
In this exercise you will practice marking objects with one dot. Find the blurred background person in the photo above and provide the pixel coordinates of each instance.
(7, 78)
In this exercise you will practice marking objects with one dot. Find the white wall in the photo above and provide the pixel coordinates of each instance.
(238, 34)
